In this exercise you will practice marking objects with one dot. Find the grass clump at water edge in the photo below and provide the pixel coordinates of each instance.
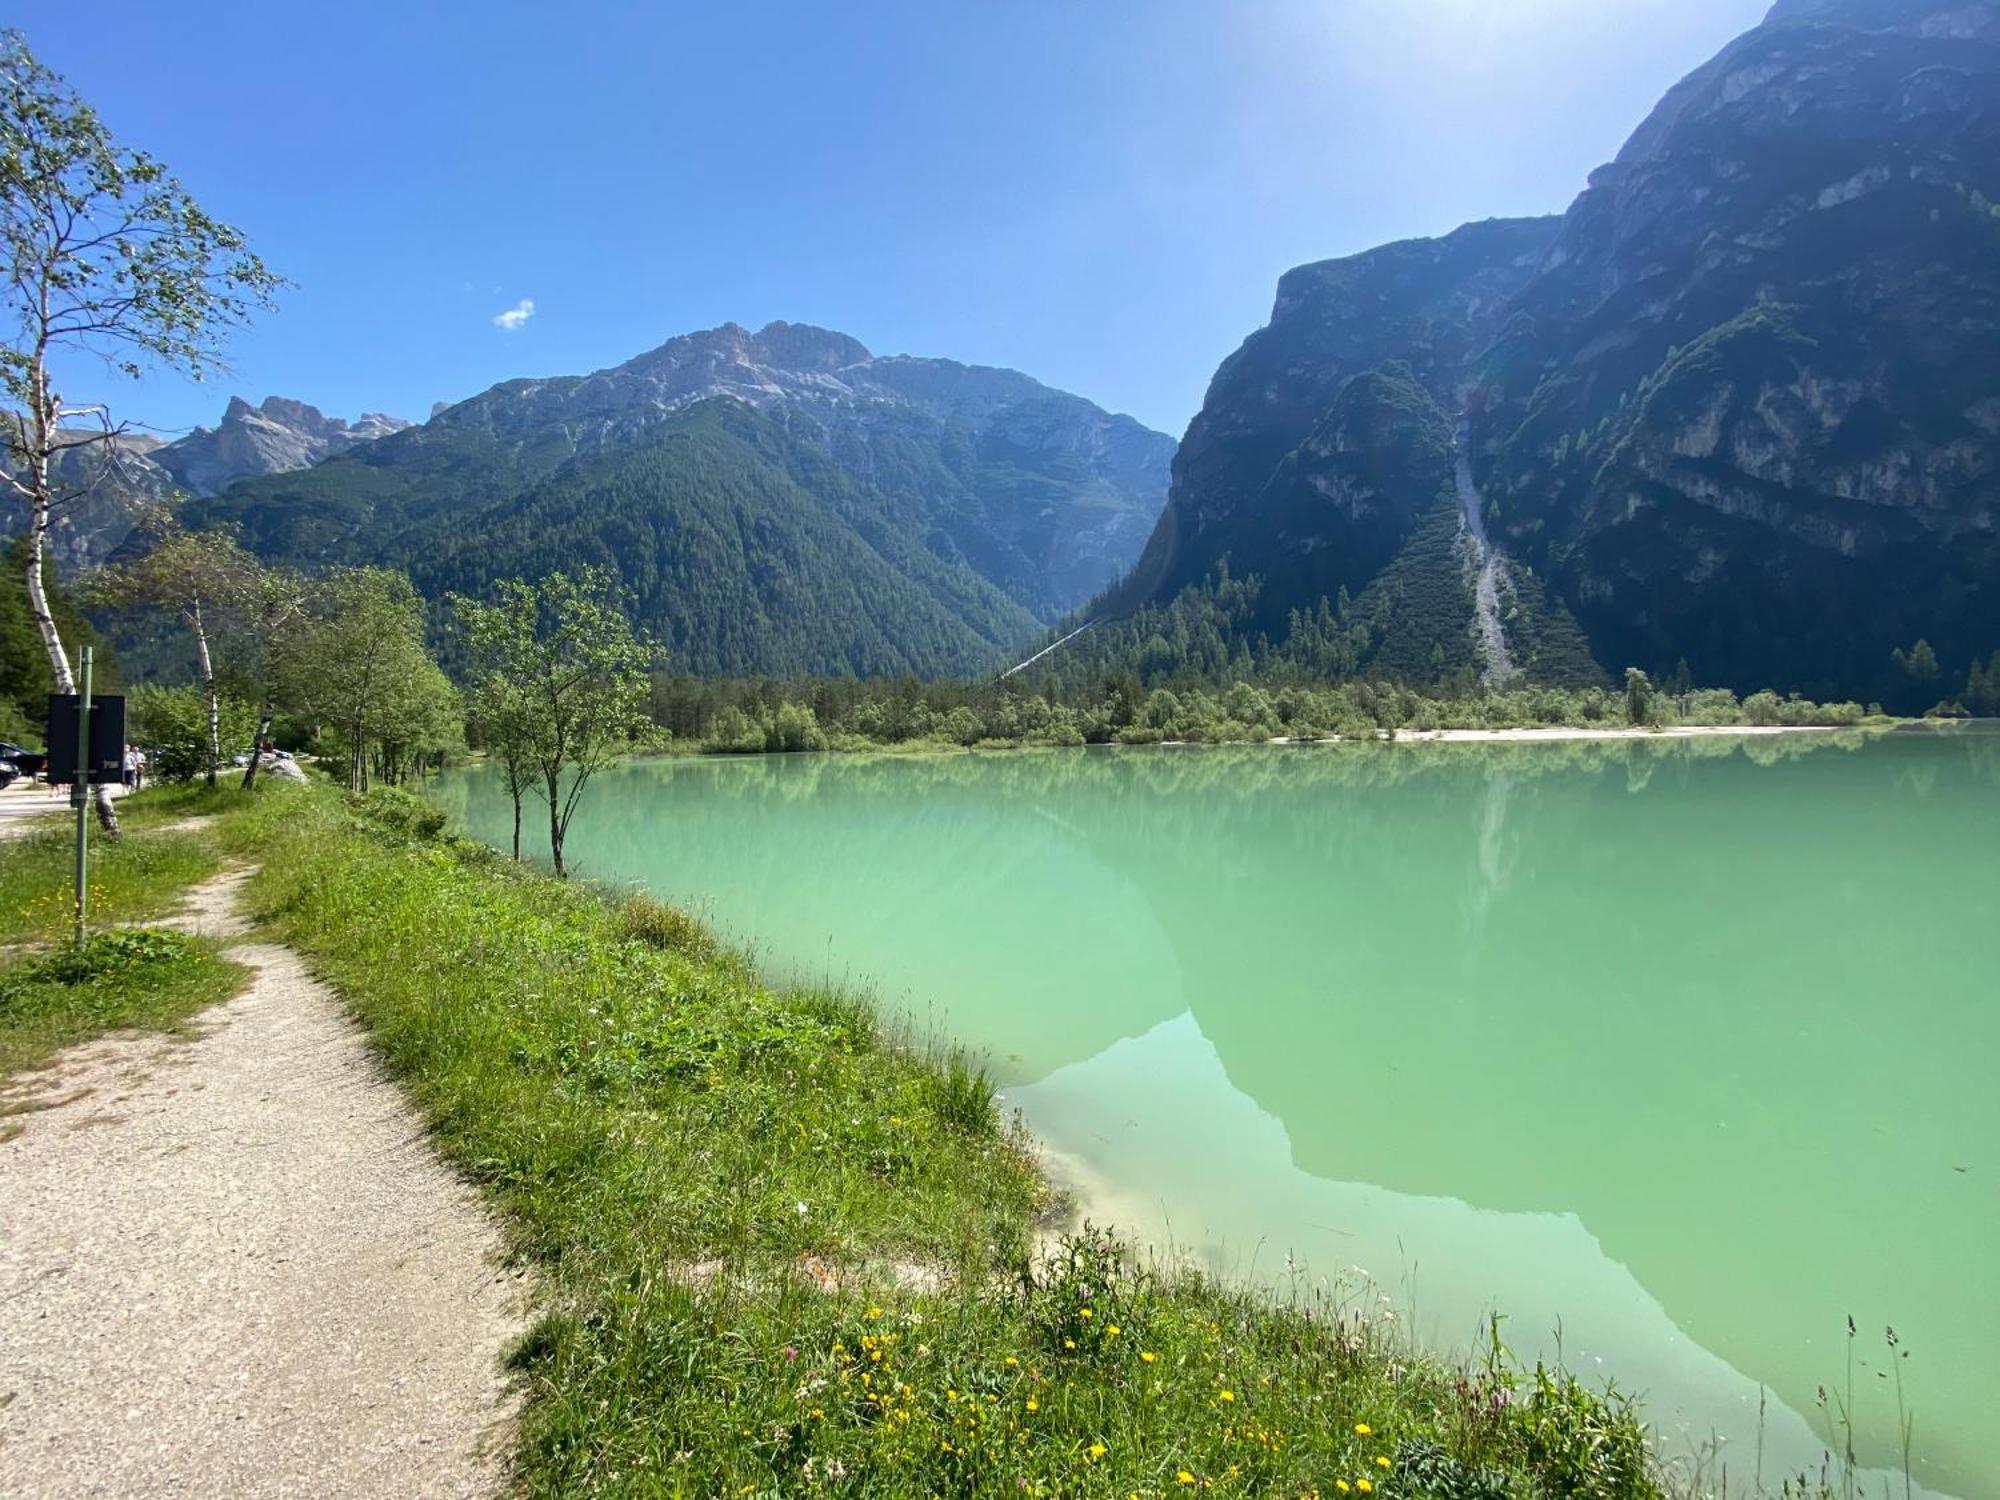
(784, 1253)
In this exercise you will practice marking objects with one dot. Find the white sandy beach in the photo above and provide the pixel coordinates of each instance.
(1578, 732)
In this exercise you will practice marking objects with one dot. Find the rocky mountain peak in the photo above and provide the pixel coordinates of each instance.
(276, 436)
(800, 346)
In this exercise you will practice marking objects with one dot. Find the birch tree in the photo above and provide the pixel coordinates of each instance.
(106, 256)
(276, 607)
(497, 715)
(205, 578)
(355, 664)
(561, 655)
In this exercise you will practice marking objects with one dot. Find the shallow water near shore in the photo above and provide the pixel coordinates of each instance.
(1678, 1055)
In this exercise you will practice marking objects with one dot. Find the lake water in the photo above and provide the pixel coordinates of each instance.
(1677, 1054)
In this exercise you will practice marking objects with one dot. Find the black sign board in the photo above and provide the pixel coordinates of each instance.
(107, 739)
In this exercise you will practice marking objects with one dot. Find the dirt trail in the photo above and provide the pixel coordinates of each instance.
(236, 1266)
(27, 806)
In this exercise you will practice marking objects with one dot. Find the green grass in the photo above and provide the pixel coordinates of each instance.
(50, 995)
(131, 977)
(782, 1252)
(131, 879)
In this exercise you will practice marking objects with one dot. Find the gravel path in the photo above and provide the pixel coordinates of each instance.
(235, 1266)
(27, 805)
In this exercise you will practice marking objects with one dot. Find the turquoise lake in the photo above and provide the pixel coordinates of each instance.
(1678, 1054)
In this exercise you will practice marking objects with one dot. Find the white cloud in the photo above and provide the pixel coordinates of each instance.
(511, 320)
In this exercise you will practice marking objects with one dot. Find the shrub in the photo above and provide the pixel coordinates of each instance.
(104, 955)
(1581, 1443)
(172, 723)
(794, 727)
(659, 925)
(399, 812)
(962, 1096)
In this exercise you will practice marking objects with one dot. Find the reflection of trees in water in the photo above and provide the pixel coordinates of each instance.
(1236, 772)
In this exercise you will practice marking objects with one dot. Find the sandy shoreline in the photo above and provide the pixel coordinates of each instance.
(1578, 732)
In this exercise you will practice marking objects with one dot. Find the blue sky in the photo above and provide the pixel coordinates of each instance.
(1100, 192)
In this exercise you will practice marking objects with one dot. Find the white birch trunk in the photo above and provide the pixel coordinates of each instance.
(208, 691)
(38, 598)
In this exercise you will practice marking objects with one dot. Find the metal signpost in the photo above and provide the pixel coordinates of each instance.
(86, 749)
(79, 798)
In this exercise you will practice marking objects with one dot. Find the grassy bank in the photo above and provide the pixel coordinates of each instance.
(784, 1253)
(53, 995)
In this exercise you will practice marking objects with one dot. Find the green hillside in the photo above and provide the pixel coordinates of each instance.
(744, 548)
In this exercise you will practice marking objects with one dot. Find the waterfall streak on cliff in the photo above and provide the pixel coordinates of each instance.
(1486, 590)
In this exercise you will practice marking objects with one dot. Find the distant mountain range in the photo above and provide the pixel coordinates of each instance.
(1736, 408)
(278, 436)
(779, 501)
(274, 438)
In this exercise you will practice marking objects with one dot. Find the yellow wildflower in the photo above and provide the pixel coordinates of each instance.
(1085, 1313)
(1362, 1429)
(874, 1312)
(1033, 1404)
(1148, 1355)
(1069, 1343)
(1111, 1330)
(1012, 1361)
(1342, 1485)
(1097, 1450)
(1227, 1395)
(1184, 1477)
(1382, 1461)
(1364, 1486)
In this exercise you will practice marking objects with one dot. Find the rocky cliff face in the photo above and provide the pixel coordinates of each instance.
(110, 488)
(1746, 412)
(1425, 306)
(1041, 491)
(1735, 407)
(275, 438)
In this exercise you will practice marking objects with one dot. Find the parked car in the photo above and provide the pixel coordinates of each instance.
(9, 774)
(26, 762)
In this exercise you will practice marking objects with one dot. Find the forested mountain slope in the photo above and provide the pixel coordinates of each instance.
(777, 501)
(743, 548)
